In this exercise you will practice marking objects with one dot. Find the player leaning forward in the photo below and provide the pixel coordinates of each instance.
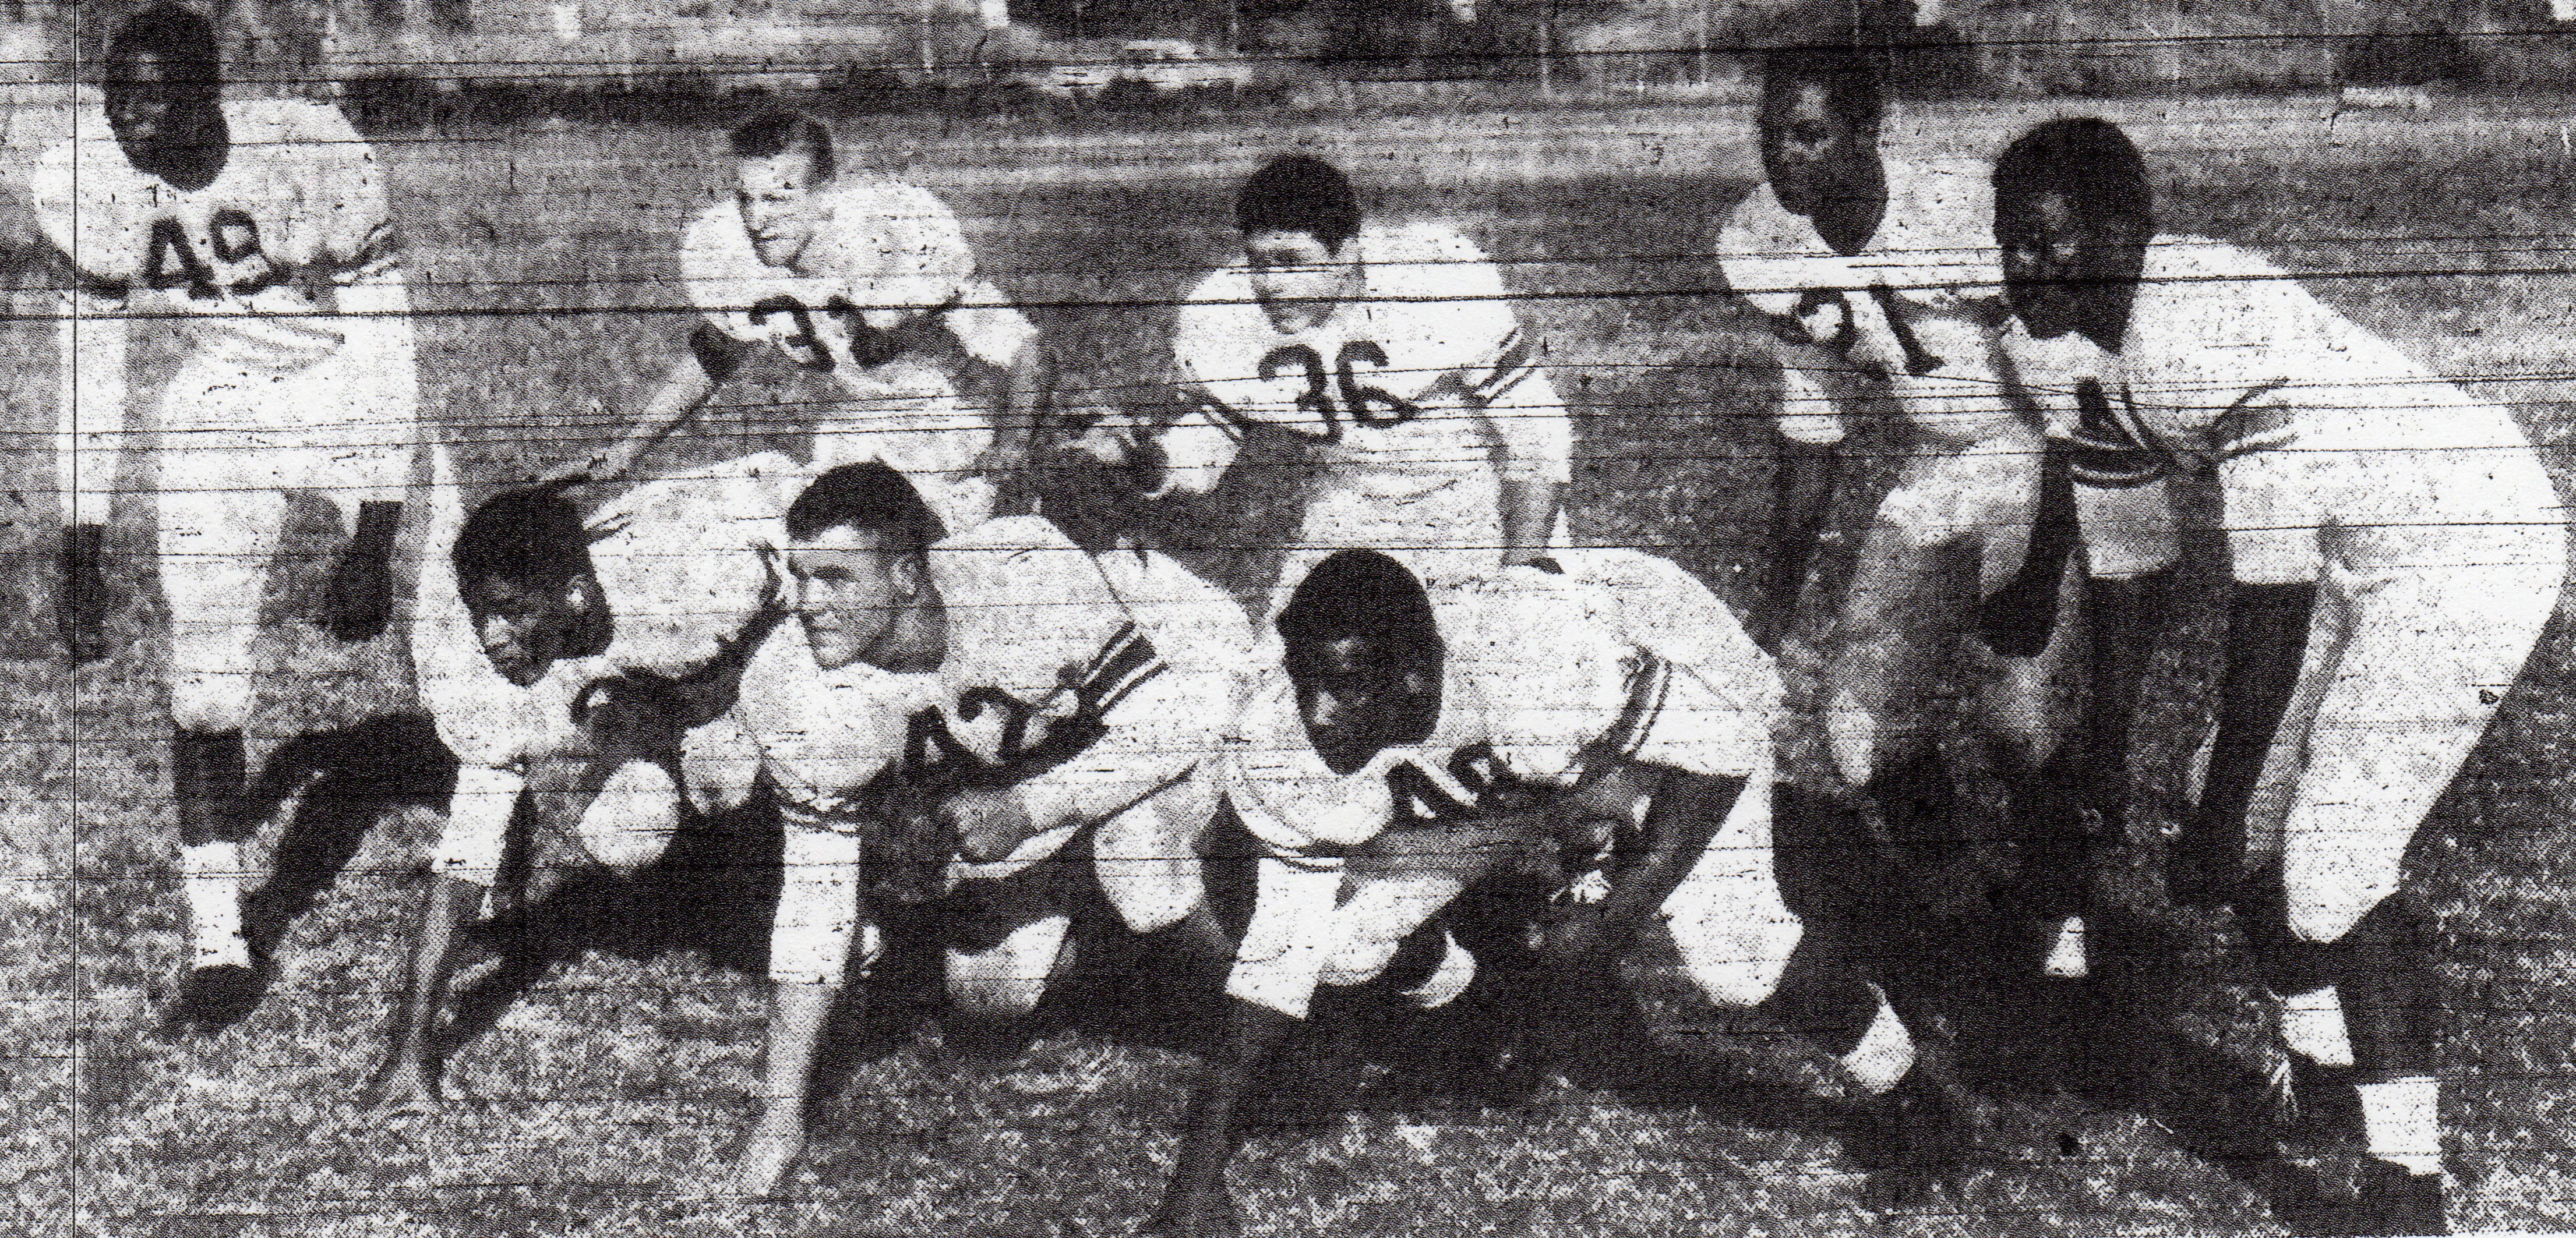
(1882, 268)
(1393, 355)
(1044, 690)
(866, 280)
(1409, 743)
(2394, 549)
(588, 665)
(260, 229)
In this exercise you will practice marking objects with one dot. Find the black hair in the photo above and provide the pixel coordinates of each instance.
(2087, 159)
(173, 33)
(778, 131)
(1299, 193)
(1852, 85)
(529, 536)
(871, 497)
(1364, 594)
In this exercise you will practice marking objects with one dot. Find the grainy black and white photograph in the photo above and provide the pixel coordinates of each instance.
(1058, 618)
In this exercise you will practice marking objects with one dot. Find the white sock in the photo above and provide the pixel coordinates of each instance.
(1885, 1051)
(2066, 960)
(1457, 968)
(210, 874)
(2312, 1025)
(2403, 1118)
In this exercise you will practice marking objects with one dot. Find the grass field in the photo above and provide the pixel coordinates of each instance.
(590, 1100)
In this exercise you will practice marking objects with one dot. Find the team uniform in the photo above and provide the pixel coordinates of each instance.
(1925, 295)
(1090, 686)
(885, 300)
(1416, 398)
(689, 591)
(1549, 681)
(2423, 516)
(283, 278)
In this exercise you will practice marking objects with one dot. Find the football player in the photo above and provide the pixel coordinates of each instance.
(1037, 691)
(1404, 747)
(588, 666)
(260, 230)
(1883, 269)
(871, 282)
(1391, 354)
(2394, 550)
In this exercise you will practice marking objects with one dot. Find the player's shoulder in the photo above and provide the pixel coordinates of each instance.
(858, 200)
(1012, 561)
(2178, 259)
(1425, 258)
(290, 123)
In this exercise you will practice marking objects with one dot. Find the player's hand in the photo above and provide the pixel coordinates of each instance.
(1825, 320)
(402, 1088)
(988, 823)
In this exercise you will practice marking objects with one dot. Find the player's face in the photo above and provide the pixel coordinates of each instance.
(1353, 702)
(779, 207)
(850, 589)
(1811, 152)
(524, 626)
(154, 109)
(2064, 271)
(1297, 278)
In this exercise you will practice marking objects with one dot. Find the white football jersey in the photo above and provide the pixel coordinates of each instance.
(245, 264)
(682, 564)
(1056, 672)
(885, 257)
(2310, 419)
(1548, 680)
(1931, 270)
(1423, 376)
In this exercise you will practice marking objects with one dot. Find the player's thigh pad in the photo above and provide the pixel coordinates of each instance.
(1004, 973)
(1398, 882)
(477, 830)
(1147, 857)
(1282, 954)
(820, 912)
(629, 823)
(1727, 917)
(2431, 655)
(1983, 491)
(336, 426)
(214, 546)
(719, 764)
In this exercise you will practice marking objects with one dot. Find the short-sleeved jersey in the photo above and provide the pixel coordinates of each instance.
(886, 284)
(1427, 373)
(1931, 268)
(2228, 363)
(1549, 680)
(682, 566)
(246, 264)
(1056, 681)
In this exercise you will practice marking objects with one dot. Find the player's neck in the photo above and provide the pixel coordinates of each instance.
(917, 641)
(191, 166)
(1849, 217)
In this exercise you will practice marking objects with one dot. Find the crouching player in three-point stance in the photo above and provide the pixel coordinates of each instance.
(1882, 269)
(2395, 548)
(590, 668)
(1407, 747)
(871, 282)
(260, 230)
(970, 704)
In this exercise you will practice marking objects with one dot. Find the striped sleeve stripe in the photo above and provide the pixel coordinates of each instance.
(1647, 687)
(1126, 661)
(1515, 361)
(1218, 412)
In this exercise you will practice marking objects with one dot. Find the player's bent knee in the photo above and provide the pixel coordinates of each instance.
(1737, 966)
(631, 821)
(1359, 961)
(1006, 980)
(212, 703)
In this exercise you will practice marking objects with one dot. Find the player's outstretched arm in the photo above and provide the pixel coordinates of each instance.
(407, 1082)
(1685, 813)
(713, 357)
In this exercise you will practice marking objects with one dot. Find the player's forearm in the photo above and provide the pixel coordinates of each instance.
(683, 393)
(1529, 518)
(1686, 813)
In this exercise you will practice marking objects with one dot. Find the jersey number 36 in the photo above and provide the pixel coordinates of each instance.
(1338, 394)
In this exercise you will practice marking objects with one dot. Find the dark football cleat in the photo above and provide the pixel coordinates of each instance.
(211, 999)
(2387, 1199)
(1911, 1138)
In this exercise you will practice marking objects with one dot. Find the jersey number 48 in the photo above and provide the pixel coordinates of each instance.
(171, 262)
